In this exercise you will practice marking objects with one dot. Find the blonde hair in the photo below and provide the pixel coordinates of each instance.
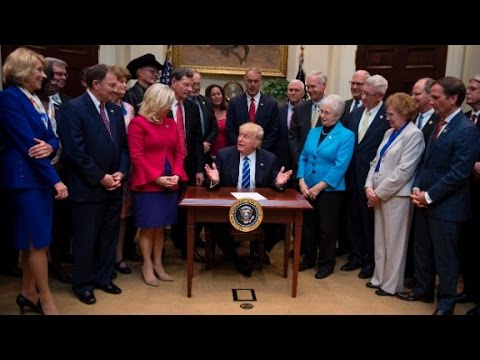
(252, 128)
(121, 72)
(157, 101)
(19, 64)
(403, 104)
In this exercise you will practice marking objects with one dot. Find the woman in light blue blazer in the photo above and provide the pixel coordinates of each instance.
(26, 172)
(321, 175)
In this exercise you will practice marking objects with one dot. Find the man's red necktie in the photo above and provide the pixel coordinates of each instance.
(473, 118)
(251, 110)
(103, 115)
(181, 128)
(437, 130)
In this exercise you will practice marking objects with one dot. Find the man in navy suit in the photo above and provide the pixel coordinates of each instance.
(255, 107)
(187, 115)
(356, 87)
(426, 121)
(369, 124)
(469, 244)
(306, 114)
(92, 132)
(441, 194)
(296, 90)
(227, 170)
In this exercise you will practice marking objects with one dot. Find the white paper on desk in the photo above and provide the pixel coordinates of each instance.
(248, 195)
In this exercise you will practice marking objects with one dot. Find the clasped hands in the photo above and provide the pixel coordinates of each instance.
(372, 198)
(309, 193)
(168, 182)
(112, 182)
(418, 198)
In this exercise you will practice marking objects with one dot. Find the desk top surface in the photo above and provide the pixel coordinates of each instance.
(222, 197)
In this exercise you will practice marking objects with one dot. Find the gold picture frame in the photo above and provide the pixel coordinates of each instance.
(232, 59)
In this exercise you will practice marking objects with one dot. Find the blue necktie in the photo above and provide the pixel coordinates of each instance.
(420, 121)
(246, 174)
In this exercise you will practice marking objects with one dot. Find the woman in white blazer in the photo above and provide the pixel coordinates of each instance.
(388, 188)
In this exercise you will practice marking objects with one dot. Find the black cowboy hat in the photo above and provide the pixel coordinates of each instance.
(144, 60)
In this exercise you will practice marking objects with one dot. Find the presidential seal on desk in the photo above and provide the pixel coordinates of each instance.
(246, 215)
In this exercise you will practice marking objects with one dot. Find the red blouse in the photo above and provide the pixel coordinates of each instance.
(150, 144)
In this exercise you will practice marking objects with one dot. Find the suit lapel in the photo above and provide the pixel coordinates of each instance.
(234, 161)
(259, 168)
(443, 136)
(374, 124)
(95, 115)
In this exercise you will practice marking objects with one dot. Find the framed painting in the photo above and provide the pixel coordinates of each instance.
(232, 59)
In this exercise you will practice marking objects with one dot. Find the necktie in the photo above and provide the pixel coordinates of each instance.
(181, 128)
(246, 173)
(438, 129)
(355, 105)
(473, 118)
(202, 120)
(251, 110)
(314, 118)
(103, 115)
(420, 121)
(290, 120)
(363, 125)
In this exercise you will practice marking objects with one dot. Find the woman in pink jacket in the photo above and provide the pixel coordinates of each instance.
(156, 155)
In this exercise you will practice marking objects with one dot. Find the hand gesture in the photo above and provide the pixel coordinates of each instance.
(283, 176)
(212, 173)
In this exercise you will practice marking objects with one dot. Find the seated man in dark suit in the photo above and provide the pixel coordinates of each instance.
(229, 169)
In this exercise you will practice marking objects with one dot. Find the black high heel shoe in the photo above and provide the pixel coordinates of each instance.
(23, 302)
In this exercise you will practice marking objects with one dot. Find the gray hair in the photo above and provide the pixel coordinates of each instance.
(321, 76)
(336, 103)
(179, 73)
(296, 81)
(55, 62)
(428, 84)
(475, 77)
(378, 82)
(363, 73)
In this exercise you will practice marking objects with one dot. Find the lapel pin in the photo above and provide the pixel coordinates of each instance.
(261, 164)
(261, 104)
(381, 116)
(430, 122)
(111, 111)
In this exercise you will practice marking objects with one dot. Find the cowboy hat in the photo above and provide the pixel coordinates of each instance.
(142, 61)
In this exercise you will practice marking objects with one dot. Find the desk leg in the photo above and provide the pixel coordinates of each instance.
(190, 245)
(296, 250)
(286, 249)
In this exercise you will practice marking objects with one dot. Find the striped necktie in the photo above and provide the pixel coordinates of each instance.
(246, 173)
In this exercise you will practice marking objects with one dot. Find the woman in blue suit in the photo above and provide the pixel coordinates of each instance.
(27, 173)
(321, 175)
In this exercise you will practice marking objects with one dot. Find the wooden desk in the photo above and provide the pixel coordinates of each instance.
(213, 206)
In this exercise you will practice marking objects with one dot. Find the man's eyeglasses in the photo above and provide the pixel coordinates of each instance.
(352, 83)
(57, 73)
(153, 71)
(370, 95)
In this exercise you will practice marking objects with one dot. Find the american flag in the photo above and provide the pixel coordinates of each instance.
(301, 74)
(166, 75)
